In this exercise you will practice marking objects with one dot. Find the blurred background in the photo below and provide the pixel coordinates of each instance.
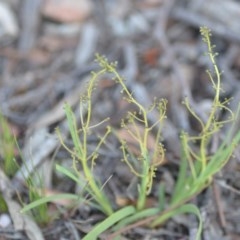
(48, 47)
(47, 52)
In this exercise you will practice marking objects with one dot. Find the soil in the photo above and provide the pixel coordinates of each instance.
(46, 57)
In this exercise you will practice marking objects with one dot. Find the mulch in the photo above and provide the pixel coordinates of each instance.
(47, 52)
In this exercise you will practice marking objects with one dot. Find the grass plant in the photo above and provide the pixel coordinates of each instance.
(7, 149)
(7, 162)
(8, 145)
(197, 168)
(35, 190)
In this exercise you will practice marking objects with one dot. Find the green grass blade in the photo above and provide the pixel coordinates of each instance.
(137, 216)
(3, 204)
(83, 184)
(108, 222)
(181, 180)
(50, 199)
(69, 174)
(161, 197)
(73, 129)
(187, 208)
(7, 149)
(221, 157)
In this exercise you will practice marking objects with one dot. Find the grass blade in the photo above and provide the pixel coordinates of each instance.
(50, 199)
(187, 208)
(137, 216)
(69, 174)
(108, 222)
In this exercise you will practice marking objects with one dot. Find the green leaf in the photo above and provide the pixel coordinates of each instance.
(182, 175)
(69, 174)
(108, 222)
(50, 199)
(137, 216)
(187, 208)
(73, 129)
(161, 197)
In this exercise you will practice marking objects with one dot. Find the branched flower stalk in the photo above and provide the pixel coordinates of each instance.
(200, 162)
(80, 152)
(147, 160)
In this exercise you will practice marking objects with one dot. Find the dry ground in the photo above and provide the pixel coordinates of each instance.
(46, 54)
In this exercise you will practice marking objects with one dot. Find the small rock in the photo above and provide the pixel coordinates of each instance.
(4, 220)
(67, 10)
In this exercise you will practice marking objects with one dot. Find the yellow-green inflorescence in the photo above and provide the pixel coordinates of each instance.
(213, 124)
(148, 160)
